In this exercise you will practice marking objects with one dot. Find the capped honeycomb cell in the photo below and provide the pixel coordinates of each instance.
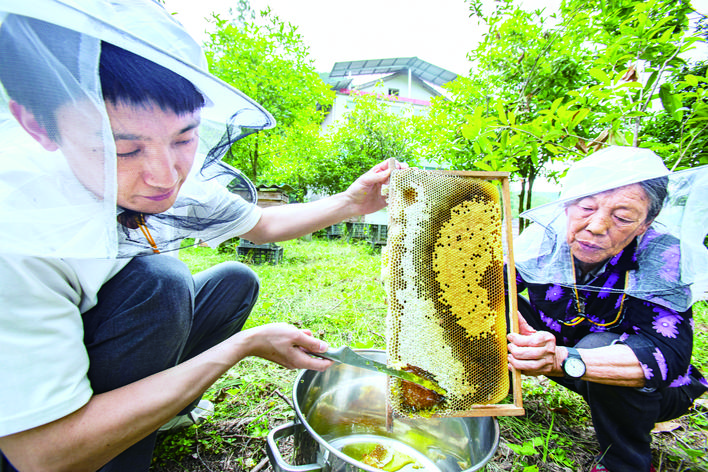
(443, 270)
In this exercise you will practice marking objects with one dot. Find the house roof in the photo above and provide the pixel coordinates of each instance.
(421, 69)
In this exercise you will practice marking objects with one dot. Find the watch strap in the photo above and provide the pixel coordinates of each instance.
(572, 352)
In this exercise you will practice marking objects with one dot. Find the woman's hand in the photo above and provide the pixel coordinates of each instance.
(533, 352)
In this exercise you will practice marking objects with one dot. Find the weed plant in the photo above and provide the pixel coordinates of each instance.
(334, 289)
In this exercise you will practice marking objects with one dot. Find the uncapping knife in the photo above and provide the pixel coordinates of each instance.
(345, 355)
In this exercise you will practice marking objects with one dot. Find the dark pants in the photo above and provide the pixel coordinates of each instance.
(153, 315)
(623, 417)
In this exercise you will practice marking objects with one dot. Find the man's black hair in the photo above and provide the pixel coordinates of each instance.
(133, 80)
(125, 77)
(24, 72)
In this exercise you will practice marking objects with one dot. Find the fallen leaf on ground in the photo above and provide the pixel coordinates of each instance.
(666, 427)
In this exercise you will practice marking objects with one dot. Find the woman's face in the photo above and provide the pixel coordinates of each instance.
(601, 225)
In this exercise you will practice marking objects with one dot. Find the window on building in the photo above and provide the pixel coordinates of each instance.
(394, 91)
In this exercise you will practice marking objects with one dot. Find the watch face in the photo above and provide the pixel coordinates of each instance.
(574, 367)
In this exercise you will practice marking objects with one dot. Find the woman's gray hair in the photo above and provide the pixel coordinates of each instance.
(656, 190)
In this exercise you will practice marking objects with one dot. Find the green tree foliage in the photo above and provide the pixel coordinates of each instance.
(296, 158)
(638, 45)
(508, 115)
(679, 130)
(368, 134)
(546, 89)
(267, 60)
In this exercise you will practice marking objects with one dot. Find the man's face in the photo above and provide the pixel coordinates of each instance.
(601, 225)
(155, 152)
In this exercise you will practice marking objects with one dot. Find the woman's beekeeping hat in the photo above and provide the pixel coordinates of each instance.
(609, 168)
(57, 204)
(671, 255)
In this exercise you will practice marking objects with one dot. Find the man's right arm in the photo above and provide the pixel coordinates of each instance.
(113, 421)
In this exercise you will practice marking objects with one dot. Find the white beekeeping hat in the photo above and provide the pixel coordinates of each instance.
(62, 203)
(671, 255)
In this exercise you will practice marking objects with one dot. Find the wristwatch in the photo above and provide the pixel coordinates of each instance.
(573, 365)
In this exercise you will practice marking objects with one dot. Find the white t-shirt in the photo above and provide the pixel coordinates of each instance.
(43, 358)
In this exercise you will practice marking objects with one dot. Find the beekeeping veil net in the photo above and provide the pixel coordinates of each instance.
(58, 178)
(670, 255)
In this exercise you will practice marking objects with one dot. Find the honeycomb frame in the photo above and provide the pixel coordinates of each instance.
(443, 224)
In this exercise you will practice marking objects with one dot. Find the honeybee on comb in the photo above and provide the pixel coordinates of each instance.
(445, 285)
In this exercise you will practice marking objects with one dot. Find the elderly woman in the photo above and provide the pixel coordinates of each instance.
(612, 270)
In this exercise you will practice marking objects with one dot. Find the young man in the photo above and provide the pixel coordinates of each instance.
(100, 347)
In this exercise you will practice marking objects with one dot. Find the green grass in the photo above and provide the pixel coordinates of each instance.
(700, 338)
(330, 287)
(334, 288)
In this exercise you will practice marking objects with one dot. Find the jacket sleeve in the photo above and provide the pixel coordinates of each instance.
(662, 340)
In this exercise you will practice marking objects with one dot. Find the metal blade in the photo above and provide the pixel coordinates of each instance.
(345, 355)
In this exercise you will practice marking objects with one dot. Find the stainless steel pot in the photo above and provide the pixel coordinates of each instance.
(345, 408)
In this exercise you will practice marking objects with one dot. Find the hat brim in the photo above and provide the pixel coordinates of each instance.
(139, 31)
(611, 168)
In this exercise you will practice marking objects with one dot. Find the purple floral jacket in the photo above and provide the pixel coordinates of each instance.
(661, 338)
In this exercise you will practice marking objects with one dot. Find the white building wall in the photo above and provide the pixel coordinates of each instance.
(414, 89)
(414, 97)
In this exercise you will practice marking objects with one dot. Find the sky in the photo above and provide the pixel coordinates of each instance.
(439, 32)
(338, 30)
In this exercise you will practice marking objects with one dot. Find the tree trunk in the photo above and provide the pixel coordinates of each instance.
(523, 223)
(254, 161)
(522, 194)
(525, 196)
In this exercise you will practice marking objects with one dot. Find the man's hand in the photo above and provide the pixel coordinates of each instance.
(286, 345)
(365, 193)
(113, 421)
(533, 352)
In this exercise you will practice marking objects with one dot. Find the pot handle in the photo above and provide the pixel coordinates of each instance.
(276, 460)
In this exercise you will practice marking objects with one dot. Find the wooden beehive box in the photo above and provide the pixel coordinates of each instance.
(273, 195)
